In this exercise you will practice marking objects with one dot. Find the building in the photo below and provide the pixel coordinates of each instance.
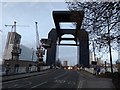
(19, 66)
(13, 38)
(16, 64)
(26, 52)
(65, 63)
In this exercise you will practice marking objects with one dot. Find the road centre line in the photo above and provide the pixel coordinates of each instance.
(60, 75)
(80, 84)
(39, 84)
(29, 83)
(13, 86)
(19, 86)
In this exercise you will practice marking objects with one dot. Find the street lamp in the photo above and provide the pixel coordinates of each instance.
(105, 66)
(94, 51)
(32, 54)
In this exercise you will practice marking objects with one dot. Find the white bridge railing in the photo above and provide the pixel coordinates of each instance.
(18, 70)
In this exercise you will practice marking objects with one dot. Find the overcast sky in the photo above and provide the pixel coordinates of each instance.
(27, 14)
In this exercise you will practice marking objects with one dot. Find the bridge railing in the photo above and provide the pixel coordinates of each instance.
(20, 70)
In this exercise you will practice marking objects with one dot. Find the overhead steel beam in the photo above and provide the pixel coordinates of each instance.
(67, 38)
(68, 16)
(69, 44)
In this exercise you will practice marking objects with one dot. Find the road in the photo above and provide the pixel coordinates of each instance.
(57, 79)
(60, 78)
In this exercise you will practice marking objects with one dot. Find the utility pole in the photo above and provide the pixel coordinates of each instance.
(95, 58)
(94, 51)
(32, 54)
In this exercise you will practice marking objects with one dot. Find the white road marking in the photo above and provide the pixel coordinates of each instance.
(38, 85)
(15, 80)
(80, 84)
(29, 83)
(13, 86)
(60, 75)
(12, 81)
(20, 85)
(24, 78)
(59, 81)
(71, 83)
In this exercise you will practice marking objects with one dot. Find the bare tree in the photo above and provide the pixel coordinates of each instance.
(96, 19)
(102, 21)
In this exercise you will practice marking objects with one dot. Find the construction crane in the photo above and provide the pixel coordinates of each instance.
(16, 50)
(40, 50)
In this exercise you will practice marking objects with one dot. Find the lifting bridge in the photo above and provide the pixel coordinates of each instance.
(80, 36)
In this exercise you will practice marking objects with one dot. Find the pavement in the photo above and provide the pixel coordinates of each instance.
(24, 75)
(91, 81)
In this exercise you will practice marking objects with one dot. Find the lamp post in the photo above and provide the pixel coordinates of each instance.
(105, 66)
(7, 68)
(32, 54)
(94, 51)
(95, 58)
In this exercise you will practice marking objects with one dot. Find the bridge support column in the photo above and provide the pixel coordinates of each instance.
(51, 52)
(83, 49)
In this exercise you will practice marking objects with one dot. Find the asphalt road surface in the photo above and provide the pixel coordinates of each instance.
(57, 79)
(60, 78)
